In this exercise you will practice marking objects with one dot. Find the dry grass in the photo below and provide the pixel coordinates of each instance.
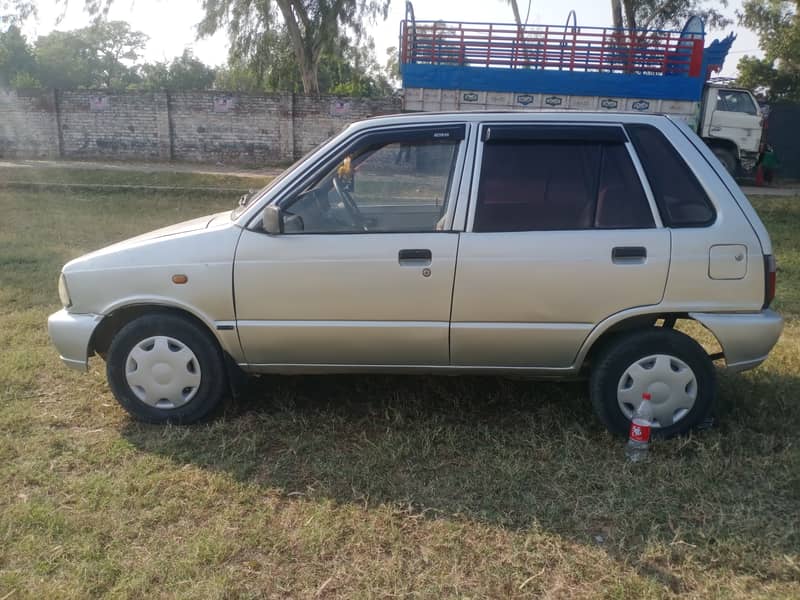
(350, 487)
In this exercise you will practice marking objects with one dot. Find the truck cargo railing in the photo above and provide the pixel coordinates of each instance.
(551, 47)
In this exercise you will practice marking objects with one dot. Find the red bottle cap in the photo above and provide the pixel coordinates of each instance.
(646, 396)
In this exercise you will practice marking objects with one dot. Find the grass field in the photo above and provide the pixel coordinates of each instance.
(357, 487)
(121, 177)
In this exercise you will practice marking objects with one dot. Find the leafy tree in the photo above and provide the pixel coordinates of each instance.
(110, 43)
(660, 14)
(89, 57)
(392, 66)
(312, 27)
(777, 23)
(184, 73)
(16, 59)
(237, 77)
(16, 11)
(23, 80)
(346, 69)
(65, 61)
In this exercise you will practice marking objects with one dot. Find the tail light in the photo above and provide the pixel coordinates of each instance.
(770, 279)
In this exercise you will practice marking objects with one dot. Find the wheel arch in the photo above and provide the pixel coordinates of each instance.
(115, 319)
(608, 330)
(723, 143)
(118, 317)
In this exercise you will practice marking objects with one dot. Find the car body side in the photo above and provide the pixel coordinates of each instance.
(136, 276)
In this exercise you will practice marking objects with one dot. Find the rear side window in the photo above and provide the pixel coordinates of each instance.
(546, 185)
(681, 199)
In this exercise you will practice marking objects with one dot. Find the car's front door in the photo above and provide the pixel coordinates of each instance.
(363, 271)
(561, 235)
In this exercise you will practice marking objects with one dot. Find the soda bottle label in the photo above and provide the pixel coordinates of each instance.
(640, 431)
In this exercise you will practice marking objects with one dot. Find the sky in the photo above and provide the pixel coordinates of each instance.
(171, 24)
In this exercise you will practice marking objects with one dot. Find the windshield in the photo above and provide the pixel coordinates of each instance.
(257, 195)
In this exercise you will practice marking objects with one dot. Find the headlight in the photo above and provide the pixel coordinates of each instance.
(63, 292)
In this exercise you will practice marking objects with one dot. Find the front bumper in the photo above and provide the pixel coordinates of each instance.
(746, 339)
(71, 335)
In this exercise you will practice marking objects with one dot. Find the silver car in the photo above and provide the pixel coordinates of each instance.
(543, 245)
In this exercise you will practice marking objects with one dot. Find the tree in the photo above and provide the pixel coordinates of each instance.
(110, 43)
(515, 10)
(17, 63)
(13, 12)
(184, 73)
(312, 26)
(616, 13)
(89, 57)
(660, 14)
(777, 23)
(345, 68)
(64, 61)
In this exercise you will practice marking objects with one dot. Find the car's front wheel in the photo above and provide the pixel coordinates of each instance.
(669, 365)
(162, 368)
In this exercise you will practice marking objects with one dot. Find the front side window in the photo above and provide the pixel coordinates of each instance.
(735, 101)
(381, 186)
(546, 185)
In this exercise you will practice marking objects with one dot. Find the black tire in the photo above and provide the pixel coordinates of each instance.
(728, 160)
(628, 348)
(207, 395)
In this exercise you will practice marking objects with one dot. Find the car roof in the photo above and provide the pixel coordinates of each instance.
(556, 116)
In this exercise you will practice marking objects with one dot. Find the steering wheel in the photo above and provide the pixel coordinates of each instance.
(349, 204)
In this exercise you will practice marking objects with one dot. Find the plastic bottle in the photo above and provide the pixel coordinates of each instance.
(639, 436)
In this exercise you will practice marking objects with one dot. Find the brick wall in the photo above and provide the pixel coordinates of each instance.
(28, 124)
(249, 129)
(323, 117)
(119, 126)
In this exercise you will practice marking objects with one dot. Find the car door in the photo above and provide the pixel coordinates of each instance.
(561, 234)
(362, 273)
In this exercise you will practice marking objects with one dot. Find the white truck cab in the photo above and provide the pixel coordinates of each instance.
(731, 124)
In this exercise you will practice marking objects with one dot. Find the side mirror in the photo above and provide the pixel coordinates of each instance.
(272, 220)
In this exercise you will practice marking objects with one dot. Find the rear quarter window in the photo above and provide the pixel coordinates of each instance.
(681, 200)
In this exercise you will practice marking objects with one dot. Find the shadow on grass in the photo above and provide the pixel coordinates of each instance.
(518, 455)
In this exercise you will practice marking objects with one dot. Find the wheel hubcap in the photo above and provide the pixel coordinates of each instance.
(671, 383)
(162, 372)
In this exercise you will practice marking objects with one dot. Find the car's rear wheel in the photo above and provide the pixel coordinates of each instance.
(670, 366)
(163, 368)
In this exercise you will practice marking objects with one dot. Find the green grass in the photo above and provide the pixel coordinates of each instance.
(349, 487)
(122, 177)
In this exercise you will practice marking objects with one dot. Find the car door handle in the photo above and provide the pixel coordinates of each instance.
(628, 254)
(415, 257)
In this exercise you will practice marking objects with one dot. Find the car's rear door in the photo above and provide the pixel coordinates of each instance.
(561, 234)
(363, 274)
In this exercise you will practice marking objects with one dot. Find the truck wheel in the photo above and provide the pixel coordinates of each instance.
(727, 159)
(671, 366)
(163, 368)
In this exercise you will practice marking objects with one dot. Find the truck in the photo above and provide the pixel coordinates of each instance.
(456, 66)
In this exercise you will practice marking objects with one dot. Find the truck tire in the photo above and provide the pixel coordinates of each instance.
(727, 159)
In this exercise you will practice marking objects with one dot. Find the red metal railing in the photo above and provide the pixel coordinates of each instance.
(586, 49)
